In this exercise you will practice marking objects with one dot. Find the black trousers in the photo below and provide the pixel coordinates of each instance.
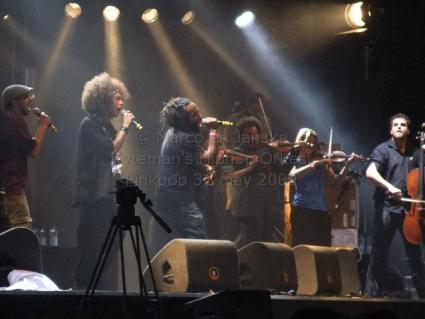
(310, 227)
(95, 220)
(386, 225)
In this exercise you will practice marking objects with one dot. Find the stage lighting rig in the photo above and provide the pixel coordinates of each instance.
(150, 15)
(357, 14)
(111, 13)
(188, 17)
(73, 10)
(245, 19)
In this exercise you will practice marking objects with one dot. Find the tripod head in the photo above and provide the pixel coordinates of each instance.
(126, 198)
(127, 194)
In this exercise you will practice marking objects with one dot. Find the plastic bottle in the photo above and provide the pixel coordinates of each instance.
(36, 232)
(43, 236)
(53, 236)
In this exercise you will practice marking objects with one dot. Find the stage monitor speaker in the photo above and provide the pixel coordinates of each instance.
(318, 270)
(195, 265)
(20, 246)
(350, 276)
(19, 249)
(267, 266)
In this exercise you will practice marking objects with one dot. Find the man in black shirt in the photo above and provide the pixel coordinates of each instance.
(16, 145)
(388, 169)
(97, 163)
(181, 165)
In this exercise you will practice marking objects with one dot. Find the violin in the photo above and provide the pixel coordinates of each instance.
(285, 146)
(340, 156)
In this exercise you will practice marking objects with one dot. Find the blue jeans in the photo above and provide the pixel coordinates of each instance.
(182, 214)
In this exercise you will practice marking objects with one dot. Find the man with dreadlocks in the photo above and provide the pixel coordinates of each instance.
(181, 166)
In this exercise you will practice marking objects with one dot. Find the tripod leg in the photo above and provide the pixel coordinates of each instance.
(124, 287)
(136, 249)
(102, 266)
(100, 262)
(148, 260)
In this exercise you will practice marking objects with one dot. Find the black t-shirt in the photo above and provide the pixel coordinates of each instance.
(94, 160)
(180, 161)
(393, 167)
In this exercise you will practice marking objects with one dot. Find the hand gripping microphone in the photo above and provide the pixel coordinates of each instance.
(38, 113)
(134, 122)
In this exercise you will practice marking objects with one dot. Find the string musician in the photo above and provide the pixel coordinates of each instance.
(260, 172)
(390, 163)
(310, 220)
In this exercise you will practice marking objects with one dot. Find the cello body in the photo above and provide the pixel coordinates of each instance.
(413, 219)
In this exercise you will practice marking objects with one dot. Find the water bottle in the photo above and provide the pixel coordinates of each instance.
(53, 236)
(43, 237)
(36, 232)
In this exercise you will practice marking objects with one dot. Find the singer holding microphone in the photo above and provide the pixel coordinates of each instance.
(97, 167)
(181, 166)
(16, 145)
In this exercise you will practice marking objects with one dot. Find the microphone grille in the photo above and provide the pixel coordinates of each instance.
(36, 111)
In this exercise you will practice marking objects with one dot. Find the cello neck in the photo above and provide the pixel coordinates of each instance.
(421, 167)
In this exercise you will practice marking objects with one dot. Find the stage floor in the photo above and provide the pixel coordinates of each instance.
(229, 304)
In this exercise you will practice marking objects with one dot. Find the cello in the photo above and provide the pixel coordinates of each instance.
(415, 188)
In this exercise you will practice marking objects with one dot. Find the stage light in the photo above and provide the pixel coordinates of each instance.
(188, 17)
(245, 19)
(111, 13)
(73, 10)
(5, 17)
(354, 15)
(150, 15)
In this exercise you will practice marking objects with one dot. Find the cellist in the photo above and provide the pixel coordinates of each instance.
(389, 165)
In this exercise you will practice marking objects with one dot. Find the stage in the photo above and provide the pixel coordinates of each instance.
(228, 304)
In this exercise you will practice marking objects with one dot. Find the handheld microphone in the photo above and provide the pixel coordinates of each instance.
(134, 122)
(38, 113)
(217, 123)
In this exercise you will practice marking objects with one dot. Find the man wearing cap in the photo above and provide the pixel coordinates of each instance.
(16, 144)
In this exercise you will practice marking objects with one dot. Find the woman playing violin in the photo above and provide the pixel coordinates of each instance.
(311, 223)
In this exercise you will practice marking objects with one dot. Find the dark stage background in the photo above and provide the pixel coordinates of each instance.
(312, 76)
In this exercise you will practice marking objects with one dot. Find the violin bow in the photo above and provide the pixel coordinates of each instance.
(265, 118)
(331, 133)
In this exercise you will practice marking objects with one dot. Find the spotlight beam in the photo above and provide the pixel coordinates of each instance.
(53, 61)
(228, 59)
(313, 105)
(113, 49)
(176, 66)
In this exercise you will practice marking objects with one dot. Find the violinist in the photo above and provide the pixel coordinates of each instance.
(310, 220)
(389, 166)
(258, 209)
(253, 107)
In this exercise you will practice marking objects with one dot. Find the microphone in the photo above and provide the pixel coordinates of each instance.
(134, 122)
(216, 123)
(38, 113)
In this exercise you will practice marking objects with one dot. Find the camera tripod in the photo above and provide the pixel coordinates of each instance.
(126, 221)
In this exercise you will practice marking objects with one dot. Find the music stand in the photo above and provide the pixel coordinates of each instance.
(126, 197)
